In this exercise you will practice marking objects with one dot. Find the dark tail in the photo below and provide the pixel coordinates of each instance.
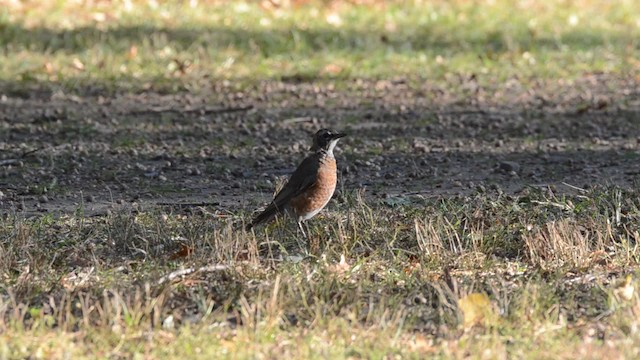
(269, 213)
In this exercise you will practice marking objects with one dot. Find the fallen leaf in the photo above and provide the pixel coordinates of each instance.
(414, 264)
(334, 19)
(625, 289)
(184, 251)
(77, 64)
(332, 69)
(99, 17)
(342, 267)
(476, 309)
(133, 52)
(599, 257)
(77, 278)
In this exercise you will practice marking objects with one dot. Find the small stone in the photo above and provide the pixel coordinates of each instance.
(89, 198)
(196, 172)
(509, 166)
(168, 323)
(43, 199)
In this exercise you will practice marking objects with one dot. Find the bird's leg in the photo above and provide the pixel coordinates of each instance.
(302, 229)
(304, 246)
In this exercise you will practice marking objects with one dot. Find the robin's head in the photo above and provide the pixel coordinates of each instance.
(326, 139)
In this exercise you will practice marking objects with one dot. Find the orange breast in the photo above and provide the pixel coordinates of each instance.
(316, 197)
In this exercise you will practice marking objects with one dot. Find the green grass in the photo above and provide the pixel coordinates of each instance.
(176, 46)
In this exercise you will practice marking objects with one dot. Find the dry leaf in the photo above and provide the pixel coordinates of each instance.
(77, 64)
(624, 290)
(419, 343)
(133, 52)
(476, 309)
(334, 19)
(414, 264)
(332, 69)
(78, 278)
(48, 67)
(599, 257)
(184, 251)
(99, 17)
(340, 268)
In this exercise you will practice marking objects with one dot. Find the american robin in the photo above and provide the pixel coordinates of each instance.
(310, 187)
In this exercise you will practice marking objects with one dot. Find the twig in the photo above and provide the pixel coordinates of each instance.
(551, 203)
(193, 204)
(574, 187)
(7, 162)
(296, 120)
(27, 153)
(205, 110)
(182, 272)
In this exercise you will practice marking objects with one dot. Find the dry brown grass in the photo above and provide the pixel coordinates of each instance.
(565, 243)
(401, 280)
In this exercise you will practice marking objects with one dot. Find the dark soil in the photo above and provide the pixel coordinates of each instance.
(225, 148)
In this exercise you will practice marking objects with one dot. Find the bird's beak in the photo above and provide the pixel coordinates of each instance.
(339, 135)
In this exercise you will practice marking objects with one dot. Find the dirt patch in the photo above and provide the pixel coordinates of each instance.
(226, 148)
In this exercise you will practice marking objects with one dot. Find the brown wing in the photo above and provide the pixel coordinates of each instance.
(304, 177)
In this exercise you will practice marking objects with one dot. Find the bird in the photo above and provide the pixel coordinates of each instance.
(311, 185)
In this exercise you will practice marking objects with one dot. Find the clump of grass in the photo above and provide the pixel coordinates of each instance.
(563, 243)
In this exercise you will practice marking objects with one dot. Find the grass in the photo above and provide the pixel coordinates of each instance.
(535, 274)
(382, 281)
(186, 45)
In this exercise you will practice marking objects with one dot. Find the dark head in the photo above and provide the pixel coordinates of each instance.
(326, 139)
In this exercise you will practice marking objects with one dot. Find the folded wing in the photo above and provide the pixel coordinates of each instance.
(303, 178)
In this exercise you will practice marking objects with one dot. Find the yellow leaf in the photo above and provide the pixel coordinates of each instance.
(133, 52)
(476, 309)
(334, 19)
(625, 288)
(48, 67)
(77, 64)
(99, 17)
(332, 69)
(342, 267)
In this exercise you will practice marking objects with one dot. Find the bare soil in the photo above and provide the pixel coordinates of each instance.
(226, 146)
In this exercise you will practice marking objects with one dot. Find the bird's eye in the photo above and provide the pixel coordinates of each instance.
(326, 135)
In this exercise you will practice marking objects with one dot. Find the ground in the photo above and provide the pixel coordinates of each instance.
(487, 204)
